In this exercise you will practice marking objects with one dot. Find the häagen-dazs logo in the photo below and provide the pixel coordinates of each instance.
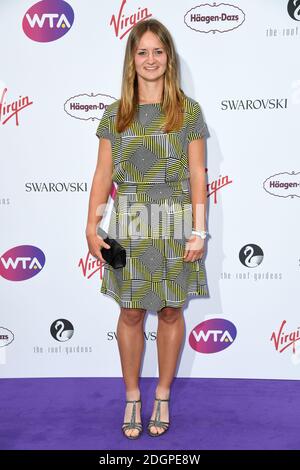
(283, 184)
(48, 20)
(6, 337)
(86, 106)
(221, 18)
(21, 262)
(212, 336)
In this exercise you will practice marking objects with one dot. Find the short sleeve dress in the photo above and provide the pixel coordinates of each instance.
(152, 212)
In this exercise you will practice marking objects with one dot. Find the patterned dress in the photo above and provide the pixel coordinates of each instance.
(152, 211)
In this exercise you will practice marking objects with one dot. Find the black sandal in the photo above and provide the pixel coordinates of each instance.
(157, 422)
(132, 423)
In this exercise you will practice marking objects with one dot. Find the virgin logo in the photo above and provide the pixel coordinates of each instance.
(21, 263)
(123, 24)
(283, 340)
(12, 109)
(212, 336)
(48, 20)
(217, 185)
(90, 266)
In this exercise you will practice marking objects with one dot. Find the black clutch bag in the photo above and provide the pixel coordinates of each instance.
(115, 255)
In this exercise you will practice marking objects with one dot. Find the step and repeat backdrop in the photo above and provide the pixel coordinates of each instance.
(61, 65)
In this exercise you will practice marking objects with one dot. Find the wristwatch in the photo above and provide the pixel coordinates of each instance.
(202, 233)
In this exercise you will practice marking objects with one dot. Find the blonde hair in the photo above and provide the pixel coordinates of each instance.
(173, 96)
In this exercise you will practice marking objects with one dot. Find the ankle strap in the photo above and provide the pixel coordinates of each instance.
(133, 401)
(162, 399)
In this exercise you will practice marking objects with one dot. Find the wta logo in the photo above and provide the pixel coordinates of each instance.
(21, 263)
(212, 336)
(48, 20)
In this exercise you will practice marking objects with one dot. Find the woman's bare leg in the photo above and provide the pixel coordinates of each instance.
(170, 334)
(130, 335)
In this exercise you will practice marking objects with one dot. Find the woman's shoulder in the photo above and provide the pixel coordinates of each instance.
(112, 108)
(190, 104)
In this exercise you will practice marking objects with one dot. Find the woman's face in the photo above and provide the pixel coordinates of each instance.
(150, 57)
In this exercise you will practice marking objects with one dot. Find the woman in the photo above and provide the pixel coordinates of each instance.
(151, 144)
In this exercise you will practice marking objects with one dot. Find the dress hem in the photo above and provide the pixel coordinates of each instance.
(130, 304)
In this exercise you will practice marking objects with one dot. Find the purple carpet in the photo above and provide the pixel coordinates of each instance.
(87, 413)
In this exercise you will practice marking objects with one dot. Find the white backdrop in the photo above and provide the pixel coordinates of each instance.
(241, 62)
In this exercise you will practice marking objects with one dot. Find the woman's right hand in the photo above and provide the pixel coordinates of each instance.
(95, 243)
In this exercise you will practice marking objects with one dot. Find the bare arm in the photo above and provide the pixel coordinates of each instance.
(100, 190)
(198, 183)
(196, 154)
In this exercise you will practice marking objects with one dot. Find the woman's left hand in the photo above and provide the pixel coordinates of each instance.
(194, 249)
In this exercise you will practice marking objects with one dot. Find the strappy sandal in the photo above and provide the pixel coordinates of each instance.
(132, 423)
(157, 422)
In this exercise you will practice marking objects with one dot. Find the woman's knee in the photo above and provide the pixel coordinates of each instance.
(170, 314)
(132, 316)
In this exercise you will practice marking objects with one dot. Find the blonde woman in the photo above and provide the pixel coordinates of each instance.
(151, 143)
